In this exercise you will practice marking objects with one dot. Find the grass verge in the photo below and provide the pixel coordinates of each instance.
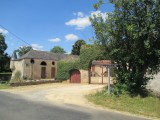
(5, 86)
(148, 106)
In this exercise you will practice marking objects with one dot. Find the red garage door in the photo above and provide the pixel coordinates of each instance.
(75, 76)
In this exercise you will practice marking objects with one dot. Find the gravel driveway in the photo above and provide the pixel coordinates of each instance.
(57, 92)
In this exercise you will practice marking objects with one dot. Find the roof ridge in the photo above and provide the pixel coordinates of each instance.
(37, 54)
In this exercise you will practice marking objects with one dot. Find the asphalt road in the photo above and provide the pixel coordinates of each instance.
(15, 107)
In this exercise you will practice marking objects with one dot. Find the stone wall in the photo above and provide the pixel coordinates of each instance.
(33, 71)
(155, 83)
(16, 66)
(98, 80)
(84, 76)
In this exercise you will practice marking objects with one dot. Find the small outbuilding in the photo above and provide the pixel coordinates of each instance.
(38, 64)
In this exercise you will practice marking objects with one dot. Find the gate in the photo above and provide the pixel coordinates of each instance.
(75, 76)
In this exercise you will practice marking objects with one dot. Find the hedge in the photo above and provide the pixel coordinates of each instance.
(64, 68)
(5, 77)
(88, 53)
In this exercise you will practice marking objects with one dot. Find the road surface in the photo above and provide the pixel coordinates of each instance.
(17, 107)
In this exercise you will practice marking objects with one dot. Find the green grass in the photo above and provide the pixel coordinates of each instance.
(148, 106)
(6, 73)
(5, 86)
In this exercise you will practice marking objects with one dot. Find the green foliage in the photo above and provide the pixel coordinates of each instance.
(3, 45)
(4, 63)
(97, 5)
(17, 78)
(5, 77)
(5, 86)
(64, 68)
(88, 53)
(149, 106)
(77, 46)
(131, 36)
(4, 58)
(23, 50)
(58, 49)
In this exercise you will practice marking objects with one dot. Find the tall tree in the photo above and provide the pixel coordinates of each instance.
(131, 36)
(4, 63)
(88, 53)
(3, 45)
(77, 46)
(58, 49)
(4, 58)
(23, 50)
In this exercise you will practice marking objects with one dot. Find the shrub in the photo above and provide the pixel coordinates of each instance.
(88, 53)
(64, 68)
(5, 77)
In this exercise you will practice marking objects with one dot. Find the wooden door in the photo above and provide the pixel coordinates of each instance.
(53, 69)
(43, 72)
(75, 76)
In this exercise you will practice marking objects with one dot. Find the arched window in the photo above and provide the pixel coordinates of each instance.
(32, 61)
(53, 63)
(43, 63)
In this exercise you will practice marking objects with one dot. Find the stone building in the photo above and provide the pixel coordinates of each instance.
(42, 65)
(38, 64)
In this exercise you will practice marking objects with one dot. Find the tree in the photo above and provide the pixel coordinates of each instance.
(58, 49)
(4, 58)
(23, 50)
(77, 46)
(3, 45)
(4, 63)
(88, 53)
(131, 37)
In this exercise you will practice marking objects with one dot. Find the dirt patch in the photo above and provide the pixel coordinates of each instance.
(57, 92)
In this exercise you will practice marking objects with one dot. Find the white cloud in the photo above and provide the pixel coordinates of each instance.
(3, 31)
(79, 14)
(99, 14)
(55, 40)
(36, 46)
(71, 37)
(82, 21)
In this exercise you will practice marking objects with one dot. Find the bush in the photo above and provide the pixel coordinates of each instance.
(64, 68)
(5, 77)
(88, 53)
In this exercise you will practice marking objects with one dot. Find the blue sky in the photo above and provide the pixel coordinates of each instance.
(44, 24)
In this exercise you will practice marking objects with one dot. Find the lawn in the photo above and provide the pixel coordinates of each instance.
(5, 86)
(149, 106)
(4, 80)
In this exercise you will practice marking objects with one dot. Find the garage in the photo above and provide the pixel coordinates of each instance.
(75, 76)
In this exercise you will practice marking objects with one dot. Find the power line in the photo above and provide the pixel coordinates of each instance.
(15, 35)
(83, 34)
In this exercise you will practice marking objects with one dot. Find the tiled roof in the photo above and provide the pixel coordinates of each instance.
(35, 54)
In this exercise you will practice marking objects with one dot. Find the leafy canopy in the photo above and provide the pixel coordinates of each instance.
(58, 49)
(4, 58)
(23, 50)
(77, 46)
(88, 53)
(3, 45)
(131, 37)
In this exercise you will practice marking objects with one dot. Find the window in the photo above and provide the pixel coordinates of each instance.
(43, 63)
(53, 63)
(32, 61)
